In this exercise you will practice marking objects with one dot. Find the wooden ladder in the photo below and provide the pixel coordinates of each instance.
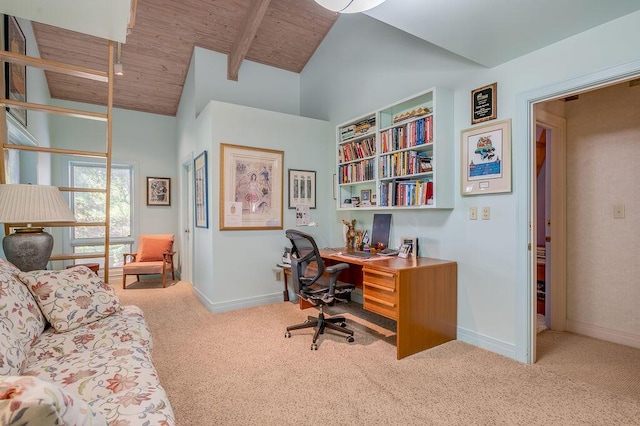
(59, 67)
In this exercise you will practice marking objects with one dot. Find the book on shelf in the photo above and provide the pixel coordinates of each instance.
(406, 193)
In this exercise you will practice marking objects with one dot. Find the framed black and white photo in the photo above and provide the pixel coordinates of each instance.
(302, 188)
(158, 191)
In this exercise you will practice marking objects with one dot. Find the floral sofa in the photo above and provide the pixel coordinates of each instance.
(72, 355)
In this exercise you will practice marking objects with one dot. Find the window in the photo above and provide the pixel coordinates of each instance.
(90, 207)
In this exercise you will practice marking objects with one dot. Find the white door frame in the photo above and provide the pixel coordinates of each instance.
(186, 213)
(558, 186)
(524, 130)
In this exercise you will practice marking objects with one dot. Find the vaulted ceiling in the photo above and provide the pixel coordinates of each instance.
(156, 56)
(285, 34)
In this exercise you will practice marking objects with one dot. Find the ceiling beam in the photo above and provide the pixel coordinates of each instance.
(245, 36)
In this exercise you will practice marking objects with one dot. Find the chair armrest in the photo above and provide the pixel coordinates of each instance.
(168, 255)
(333, 269)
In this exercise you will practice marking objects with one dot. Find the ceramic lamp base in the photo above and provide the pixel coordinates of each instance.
(28, 248)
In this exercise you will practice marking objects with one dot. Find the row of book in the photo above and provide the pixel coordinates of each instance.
(357, 172)
(411, 134)
(405, 163)
(358, 149)
(363, 127)
(406, 193)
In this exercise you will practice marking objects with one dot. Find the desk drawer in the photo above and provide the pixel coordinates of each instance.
(379, 293)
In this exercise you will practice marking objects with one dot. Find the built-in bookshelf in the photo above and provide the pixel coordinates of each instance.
(400, 156)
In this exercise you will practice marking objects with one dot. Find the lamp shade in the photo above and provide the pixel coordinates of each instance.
(349, 6)
(20, 203)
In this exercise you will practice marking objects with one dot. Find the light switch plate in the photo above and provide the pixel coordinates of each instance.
(486, 213)
(473, 213)
(618, 211)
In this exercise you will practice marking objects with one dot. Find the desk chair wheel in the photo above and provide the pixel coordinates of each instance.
(314, 347)
(350, 339)
(343, 324)
(287, 335)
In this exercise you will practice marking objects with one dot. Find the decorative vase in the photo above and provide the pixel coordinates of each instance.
(28, 248)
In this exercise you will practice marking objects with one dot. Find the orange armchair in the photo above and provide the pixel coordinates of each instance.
(154, 256)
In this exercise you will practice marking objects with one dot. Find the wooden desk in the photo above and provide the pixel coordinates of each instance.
(420, 294)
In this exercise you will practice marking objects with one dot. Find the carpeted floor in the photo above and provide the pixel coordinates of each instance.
(236, 368)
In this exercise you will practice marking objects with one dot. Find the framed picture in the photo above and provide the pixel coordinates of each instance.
(158, 191)
(202, 193)
(365, 197)
(302, 188)
(411, 245)
(486, 159)
(251, 188)
(484, 103)
(15, 75)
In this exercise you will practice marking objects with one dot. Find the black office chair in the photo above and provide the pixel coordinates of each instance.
(307, 269)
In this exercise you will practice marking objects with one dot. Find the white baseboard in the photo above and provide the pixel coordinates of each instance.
(239, 303)
(488, 343)
(603, 333)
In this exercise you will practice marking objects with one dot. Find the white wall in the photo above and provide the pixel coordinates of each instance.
(234, 269)
(493, 277)
(258, 85)
(145, 140)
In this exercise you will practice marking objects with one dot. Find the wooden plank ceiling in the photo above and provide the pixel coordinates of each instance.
(279, 33)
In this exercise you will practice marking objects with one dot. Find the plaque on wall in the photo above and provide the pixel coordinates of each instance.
(484, 102)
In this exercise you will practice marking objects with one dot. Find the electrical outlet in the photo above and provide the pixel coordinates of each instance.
(486, 213)
(618, 211)
(473, 213)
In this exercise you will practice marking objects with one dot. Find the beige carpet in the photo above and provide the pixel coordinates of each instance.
(236, 368)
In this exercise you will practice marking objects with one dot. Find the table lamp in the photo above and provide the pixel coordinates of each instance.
(29, 248)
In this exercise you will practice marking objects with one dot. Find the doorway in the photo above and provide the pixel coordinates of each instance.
(591, 207)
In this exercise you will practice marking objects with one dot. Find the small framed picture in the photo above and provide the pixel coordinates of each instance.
(158, 191)
(355, 201)
(484, 102)
(411, 245)
(302, 188)
(405, 251)
(365, 197)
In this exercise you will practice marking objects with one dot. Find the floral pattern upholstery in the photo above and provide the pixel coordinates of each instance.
(71, 297)
(18, 308)
(31, 401)
(106, 362)
(13, 357)
(124, 327)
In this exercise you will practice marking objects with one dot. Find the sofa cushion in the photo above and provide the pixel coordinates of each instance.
(18, 307)
(71, 297)
(152, 247)
(13, 357)
(29, 400)
(126, 327)
(120, 382)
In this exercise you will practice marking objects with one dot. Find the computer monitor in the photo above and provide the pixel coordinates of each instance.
(381, 229)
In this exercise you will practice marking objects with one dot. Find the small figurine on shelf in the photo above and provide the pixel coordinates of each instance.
(350, 234)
